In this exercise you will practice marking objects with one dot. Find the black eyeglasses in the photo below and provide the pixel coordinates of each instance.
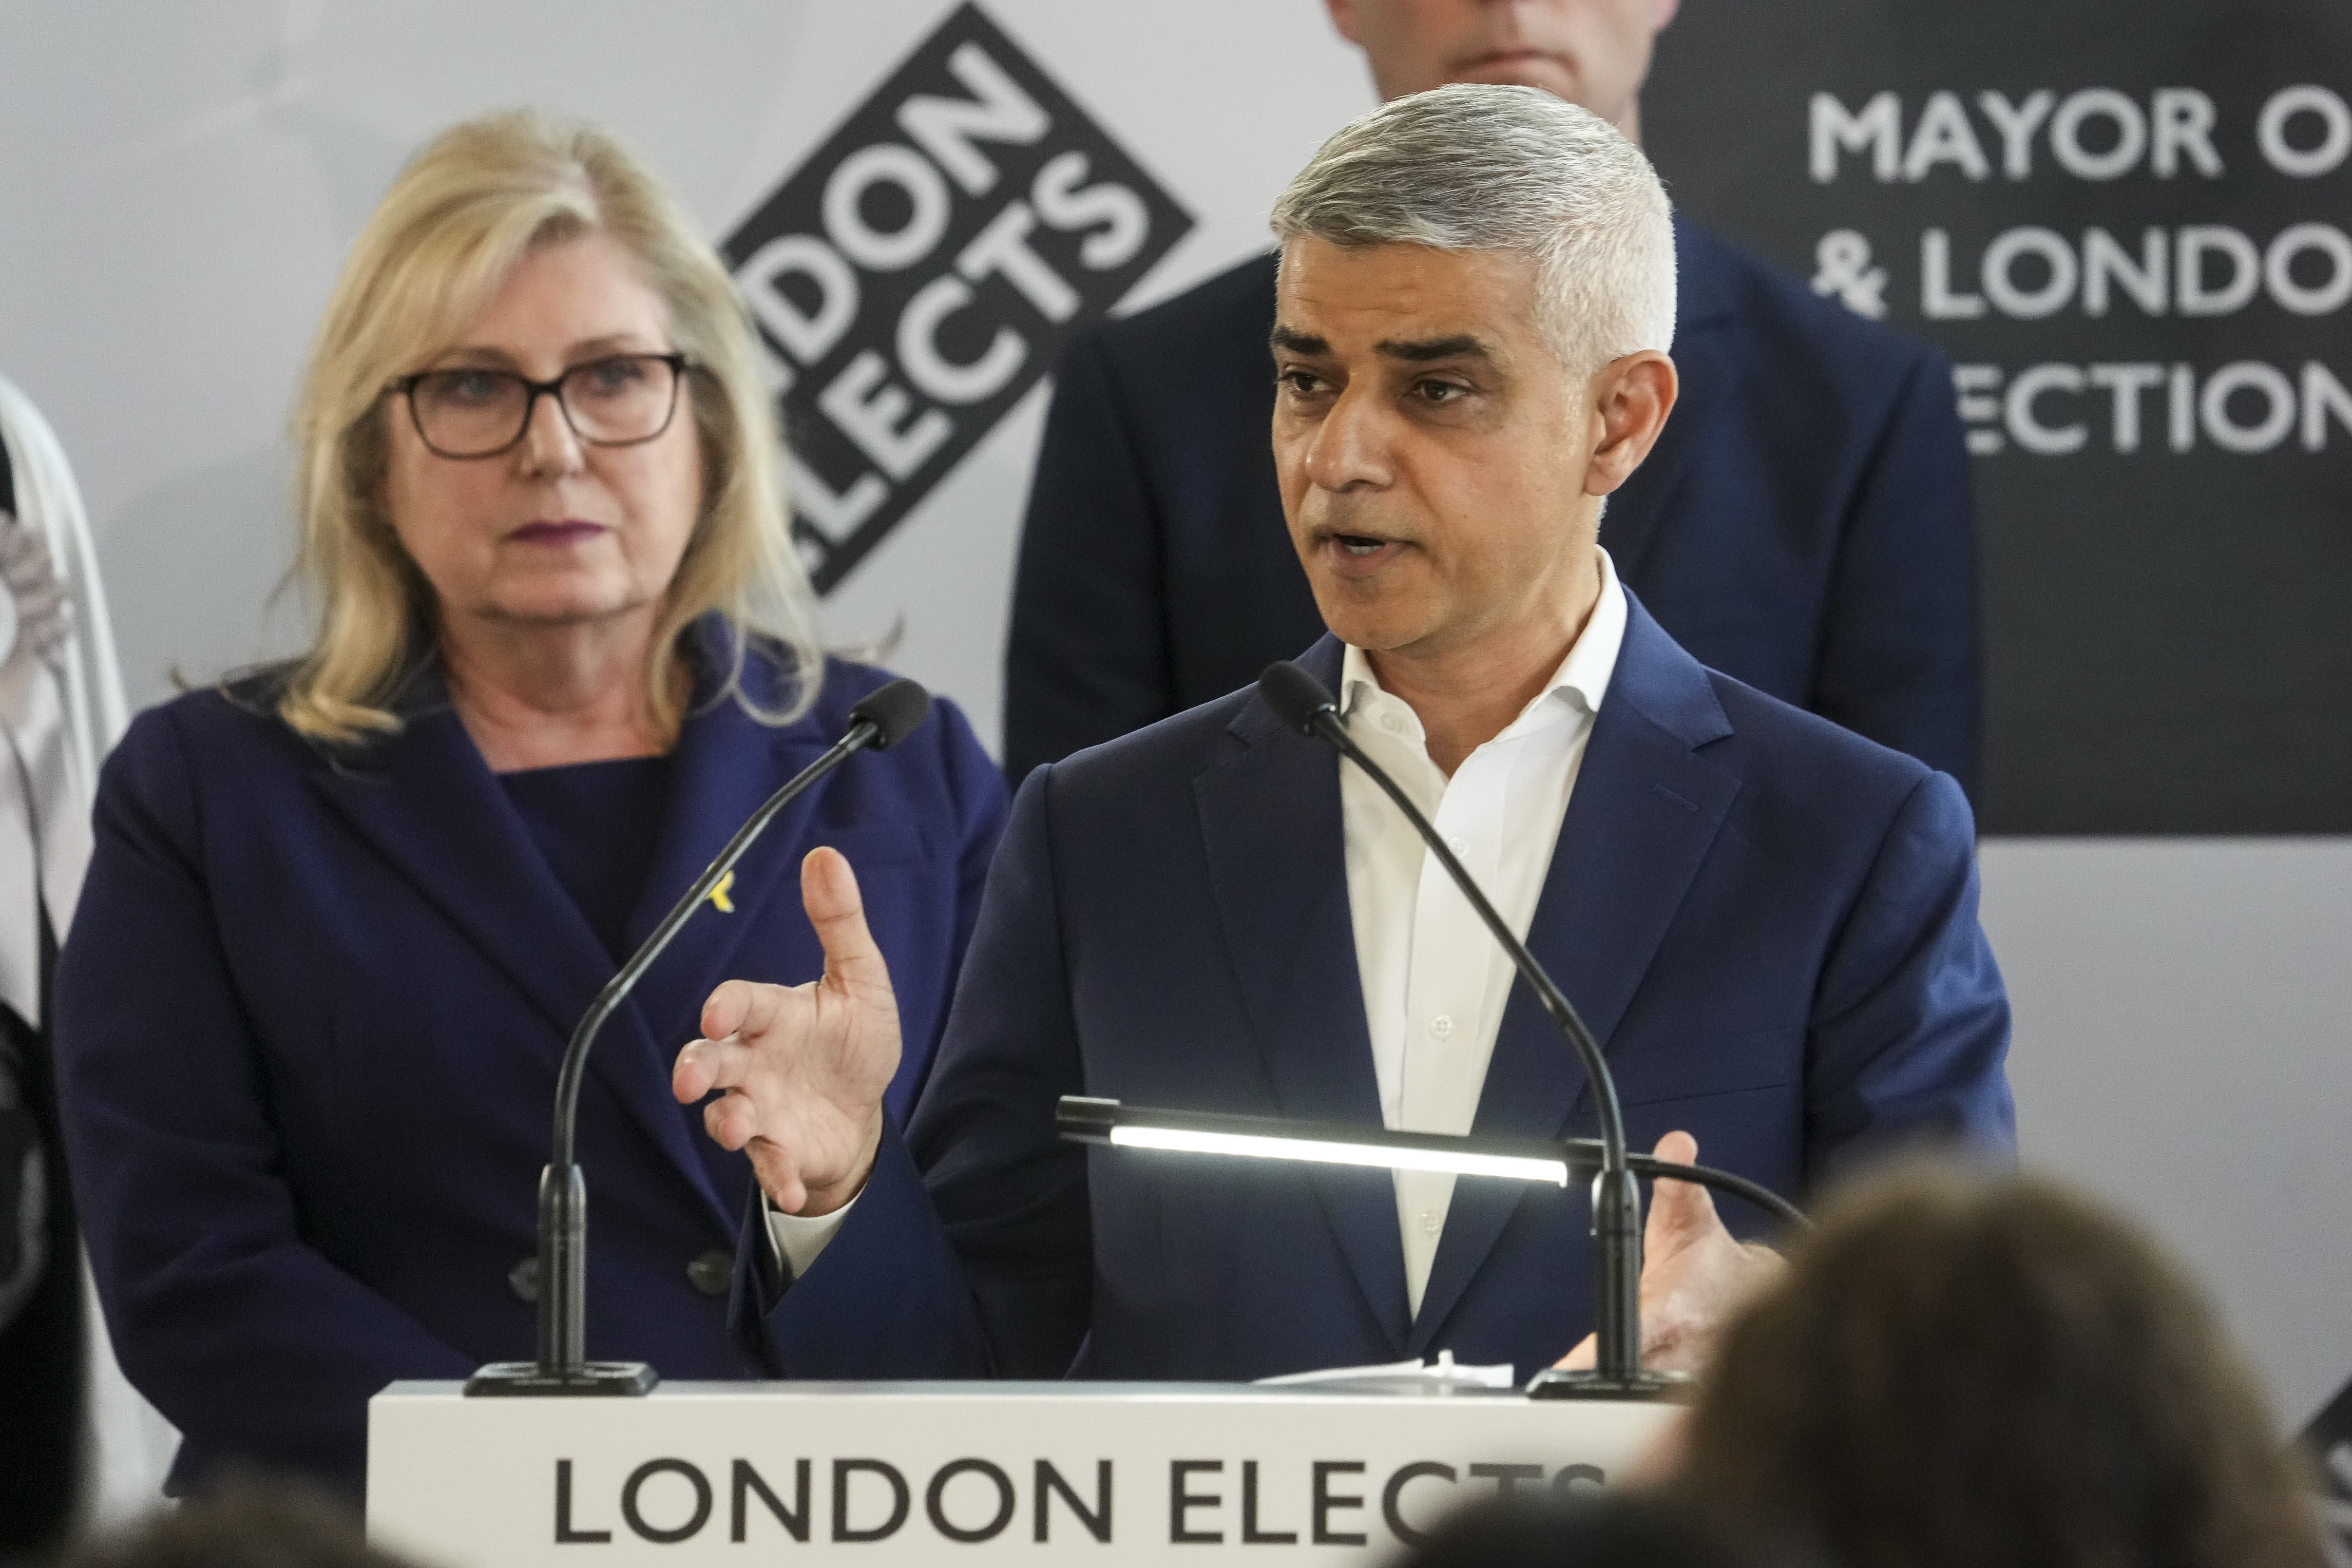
(475, 412)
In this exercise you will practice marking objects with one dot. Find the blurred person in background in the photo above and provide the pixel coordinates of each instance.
(344, 914)
(1966, 1371)
(63, 1426)
(1805, 524)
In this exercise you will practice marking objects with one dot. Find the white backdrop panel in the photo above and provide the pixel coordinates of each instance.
(2184, 1047)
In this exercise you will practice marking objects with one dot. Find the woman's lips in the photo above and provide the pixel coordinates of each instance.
(570, 531)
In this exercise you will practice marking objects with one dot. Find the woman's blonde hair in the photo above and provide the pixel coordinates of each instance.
(480, 198)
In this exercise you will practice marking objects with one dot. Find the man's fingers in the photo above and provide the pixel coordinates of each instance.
(778, 1176)
(1583, 1357)
(1680, 1212)
(724, 1012)
(1680, 1148)
(829, 894)
(706, 1065)
(732, 1120)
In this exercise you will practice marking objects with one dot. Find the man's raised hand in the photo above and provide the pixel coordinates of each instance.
(1695, 1273)
(803, 1067)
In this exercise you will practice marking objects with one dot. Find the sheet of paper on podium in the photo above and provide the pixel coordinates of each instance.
(904, 1473)
(1441, 1374)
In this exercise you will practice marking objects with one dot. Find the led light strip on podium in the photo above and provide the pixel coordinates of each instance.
(933, 1472)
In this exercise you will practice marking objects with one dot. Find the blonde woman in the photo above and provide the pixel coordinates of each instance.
(342, 915)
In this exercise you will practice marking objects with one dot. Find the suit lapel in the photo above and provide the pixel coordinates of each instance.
(430, 806)
(726, 765)
(1277, 862)
(1645, 810)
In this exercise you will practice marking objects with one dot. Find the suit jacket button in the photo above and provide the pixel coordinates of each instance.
(524, 1280)
(712, 1274)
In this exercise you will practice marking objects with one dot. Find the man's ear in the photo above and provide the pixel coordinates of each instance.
(1343, 16)
(1631, 399)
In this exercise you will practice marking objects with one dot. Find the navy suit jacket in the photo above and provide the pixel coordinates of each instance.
(1769, 922)
(1805, 522)
(309, 1021)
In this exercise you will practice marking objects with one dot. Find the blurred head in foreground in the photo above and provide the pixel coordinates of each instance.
(245, 1521)
(1973, 1372)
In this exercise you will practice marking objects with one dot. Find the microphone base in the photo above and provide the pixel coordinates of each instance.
(1554, 1383)
(527, 1379)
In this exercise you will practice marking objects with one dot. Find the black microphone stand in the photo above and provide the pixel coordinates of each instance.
(1300, 700)
(880, 720)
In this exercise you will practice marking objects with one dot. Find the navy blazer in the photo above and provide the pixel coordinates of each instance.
(1805, 522)
(309, 1021)
(1769, 922)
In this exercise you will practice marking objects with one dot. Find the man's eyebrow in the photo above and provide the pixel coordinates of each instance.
(1461, 345)
(1298, 343)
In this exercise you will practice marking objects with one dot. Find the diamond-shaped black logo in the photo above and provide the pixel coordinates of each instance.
(919, 273)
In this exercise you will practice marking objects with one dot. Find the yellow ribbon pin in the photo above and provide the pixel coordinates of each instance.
(718, 899)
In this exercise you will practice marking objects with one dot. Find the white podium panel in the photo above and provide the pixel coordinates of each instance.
(945, 1472)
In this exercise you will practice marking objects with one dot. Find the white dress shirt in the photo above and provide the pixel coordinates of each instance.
(797, 1239)
(1434, 981)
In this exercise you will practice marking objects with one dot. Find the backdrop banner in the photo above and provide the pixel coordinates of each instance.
(2128, 226)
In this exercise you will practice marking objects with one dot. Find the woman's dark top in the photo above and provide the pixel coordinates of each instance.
(596, 824)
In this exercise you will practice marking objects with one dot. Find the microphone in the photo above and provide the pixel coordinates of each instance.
(1299, 701)
(879, 721)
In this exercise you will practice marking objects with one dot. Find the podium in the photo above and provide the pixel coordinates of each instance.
(888, 1473)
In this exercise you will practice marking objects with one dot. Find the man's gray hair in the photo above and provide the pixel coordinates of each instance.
(1476, 167)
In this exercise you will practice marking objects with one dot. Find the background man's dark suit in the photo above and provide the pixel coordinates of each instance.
(1804, 524)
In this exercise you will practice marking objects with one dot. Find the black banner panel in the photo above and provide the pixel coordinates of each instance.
(2131, 228)
(918, 274)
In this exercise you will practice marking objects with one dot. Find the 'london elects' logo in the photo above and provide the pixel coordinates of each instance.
(918, 274)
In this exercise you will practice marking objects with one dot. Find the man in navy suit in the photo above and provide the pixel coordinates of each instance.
(1805, 524)
(1769, 921)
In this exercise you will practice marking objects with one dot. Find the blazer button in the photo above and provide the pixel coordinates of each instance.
(712, 1274)
(523, 1278)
